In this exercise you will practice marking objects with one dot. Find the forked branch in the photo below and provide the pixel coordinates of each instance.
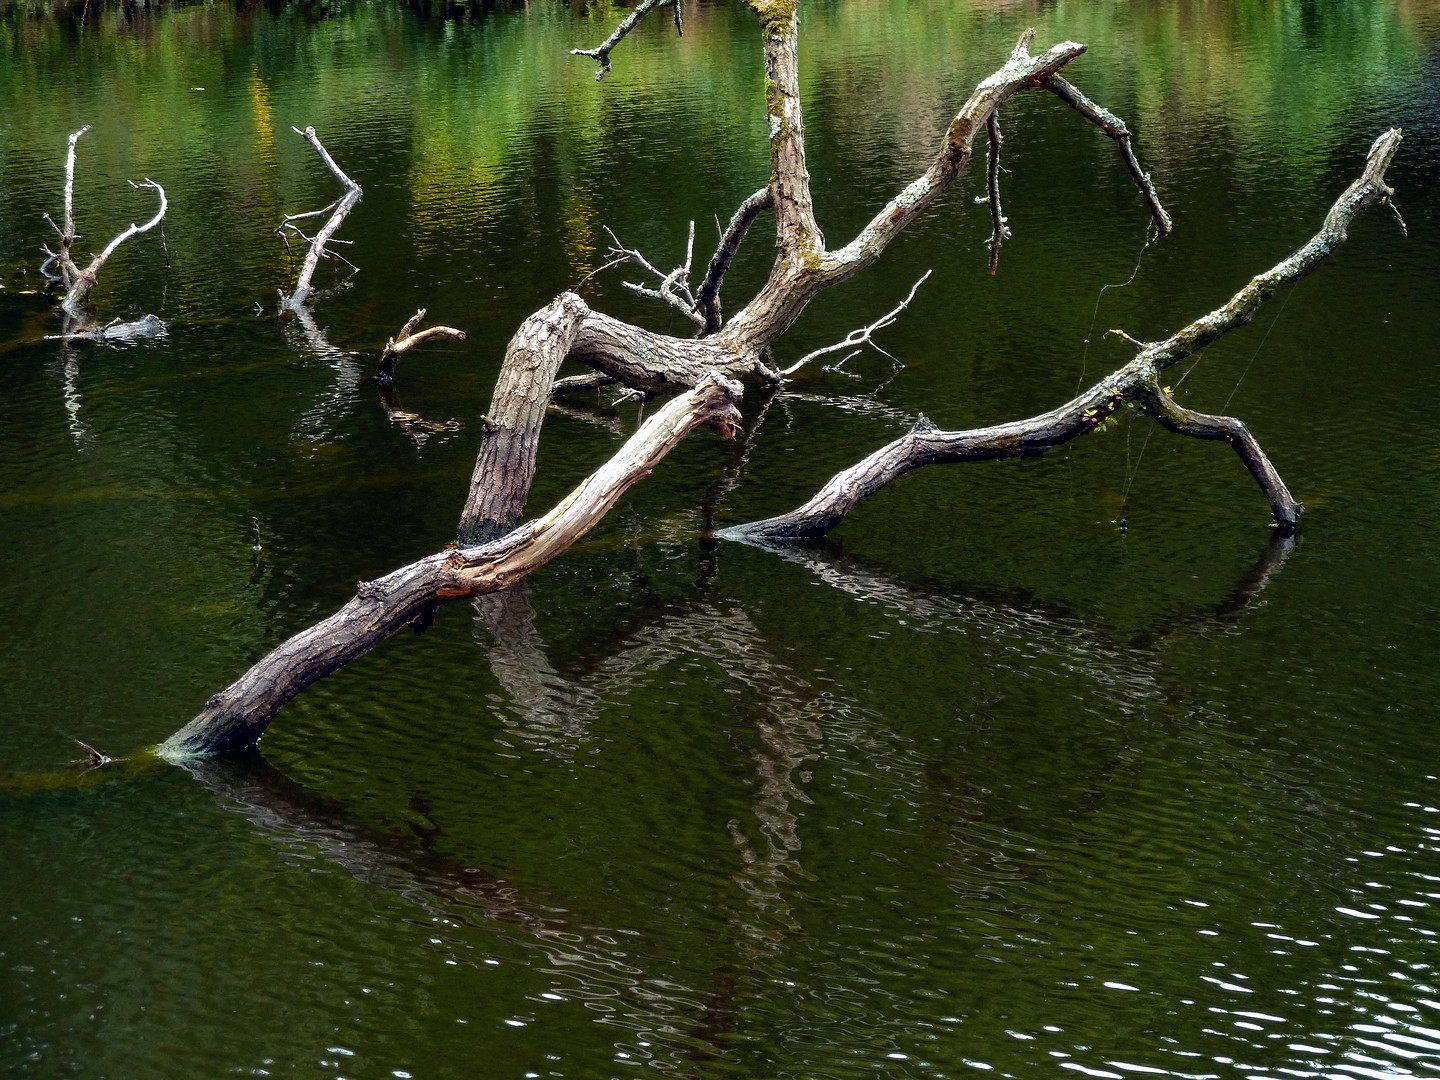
(317, 244)
(80, 281)
(1138, 382)
(858, 339)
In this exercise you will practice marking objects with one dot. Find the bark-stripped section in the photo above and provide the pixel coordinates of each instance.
(1137, 381)
(505, 465)
(236, 717)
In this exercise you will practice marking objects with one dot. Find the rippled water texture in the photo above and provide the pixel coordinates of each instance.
(987, 782)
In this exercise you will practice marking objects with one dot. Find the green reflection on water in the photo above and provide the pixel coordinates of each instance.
(985, 780)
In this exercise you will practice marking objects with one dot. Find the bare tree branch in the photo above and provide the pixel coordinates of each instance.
(707, 298)
(601, 53)
(79, 281)
(674, 288)
(861, 337)
(408, 338)
(999, 231)
(1137, 381)
(339, 209)
(1115, 128)
(237, 717)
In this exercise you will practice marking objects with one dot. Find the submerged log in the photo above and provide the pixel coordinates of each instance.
(237, 717)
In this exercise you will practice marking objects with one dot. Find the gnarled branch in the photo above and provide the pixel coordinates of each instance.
(337, 210)
(1137, 381)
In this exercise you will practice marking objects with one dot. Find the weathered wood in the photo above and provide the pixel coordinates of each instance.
(337, 210)
(505, 465)
(237, 717)
(601, 53)
(1137, 381)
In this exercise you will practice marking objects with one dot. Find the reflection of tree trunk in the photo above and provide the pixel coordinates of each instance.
(579, 954)
(546, 699)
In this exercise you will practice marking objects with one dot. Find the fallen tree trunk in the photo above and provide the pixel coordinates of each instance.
(237, 717)
(1138, 381)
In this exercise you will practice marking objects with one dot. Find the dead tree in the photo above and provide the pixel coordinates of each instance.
(1139, 382)
(407, 339)
(650, 363)
(317, 244)
(80, 280)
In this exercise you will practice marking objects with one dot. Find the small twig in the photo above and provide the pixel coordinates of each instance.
(97, 759)
(682, 300)
(602, 52)
(1123, 336)
(862, 336)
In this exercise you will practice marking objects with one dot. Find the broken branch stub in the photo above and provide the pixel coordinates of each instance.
(406, 340)
(238, 716)
(1137, 381)
(337, 210)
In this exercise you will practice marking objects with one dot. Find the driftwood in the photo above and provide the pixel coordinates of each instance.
(1138, 381)
(317, 244)
(77, 280)
(237, 717)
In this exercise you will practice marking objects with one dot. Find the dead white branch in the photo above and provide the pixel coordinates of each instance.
(407, 339)
(858, 339)
(80, 281)
(317, 244)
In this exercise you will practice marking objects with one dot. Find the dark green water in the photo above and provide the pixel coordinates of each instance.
(985, 784)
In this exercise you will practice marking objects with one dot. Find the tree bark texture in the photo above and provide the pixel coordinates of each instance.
(1137, 381)
(505, 465)
(237, 717)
